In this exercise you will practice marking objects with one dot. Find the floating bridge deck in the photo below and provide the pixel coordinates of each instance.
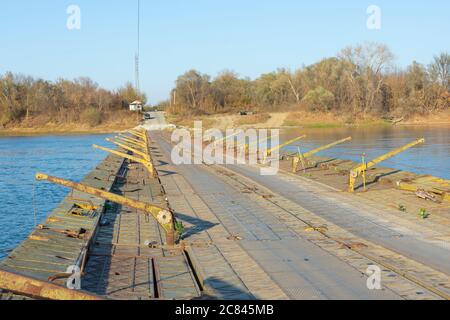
(47, 251)
(121, 252)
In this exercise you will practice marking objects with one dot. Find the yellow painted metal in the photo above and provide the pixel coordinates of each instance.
(137, 134)
(227, 137)
(144, 155)
(133, 141)
(407, 186)
(364, 172)
(416, 186)
(356, 172)
(37, 289)
(140, 132)
(285, 144)
(164, 217)
(247, 146)
(130, 144)
(147, 164)
(297, 160)
(328, 146)
(132, 138)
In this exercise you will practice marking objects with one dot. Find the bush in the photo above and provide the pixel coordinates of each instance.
(92, 116)
(319, 99)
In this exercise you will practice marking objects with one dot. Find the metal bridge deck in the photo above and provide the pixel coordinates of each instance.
(232, 217)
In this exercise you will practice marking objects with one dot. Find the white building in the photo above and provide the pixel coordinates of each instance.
(136, 106)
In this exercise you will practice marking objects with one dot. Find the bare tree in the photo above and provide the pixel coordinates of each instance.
(440, 70)
(371, 60)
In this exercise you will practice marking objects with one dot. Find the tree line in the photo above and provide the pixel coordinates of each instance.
(360, 81)
(65, 101)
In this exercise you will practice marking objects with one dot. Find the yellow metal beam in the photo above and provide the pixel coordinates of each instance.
(298, 159)
(137, 134)
(134, 146)
(130, 143)
(37, 289)
(164, 217)
(285, 144)
(258, 144)
(134, 150)
(133, 141)
(144, 135)
(225, 138)
(140, 132)
(132, 137)
(356, 172)
(414, 187)
(144, 162)
(328, 146)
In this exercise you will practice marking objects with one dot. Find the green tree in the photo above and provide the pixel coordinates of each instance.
(319, 99)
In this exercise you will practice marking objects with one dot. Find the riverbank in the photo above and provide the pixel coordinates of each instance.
(61, 130)
(111, 125)
(280, 120)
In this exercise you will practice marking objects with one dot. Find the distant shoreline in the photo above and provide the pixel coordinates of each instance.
(307, 120)
(36, 132)
(279, 120)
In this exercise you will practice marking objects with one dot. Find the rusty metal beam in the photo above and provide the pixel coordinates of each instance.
(269, 152)
(163, 216)
(145, 163)
(144, 155)
(137, 134)
(130, 144)
(134, 141)
(361, 170)
(38, 289)
(297, 160)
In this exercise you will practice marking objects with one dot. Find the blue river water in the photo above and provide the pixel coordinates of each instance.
(432, 158)
(23, 202)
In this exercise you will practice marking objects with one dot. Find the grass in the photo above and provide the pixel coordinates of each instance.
(253, 119)
(323, 121)
(318, 125)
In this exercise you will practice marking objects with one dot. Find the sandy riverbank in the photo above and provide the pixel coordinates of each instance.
(302, 119)
(69, 128)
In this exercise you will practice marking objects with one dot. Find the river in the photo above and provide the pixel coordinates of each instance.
(21, 197)
(433, 157)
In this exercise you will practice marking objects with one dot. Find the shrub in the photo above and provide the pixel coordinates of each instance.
(319, 99)
(92, 116)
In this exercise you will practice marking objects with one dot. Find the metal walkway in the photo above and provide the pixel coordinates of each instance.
(127, 260)
(364, 219)
(301, 266)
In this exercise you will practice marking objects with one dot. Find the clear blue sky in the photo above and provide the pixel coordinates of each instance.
(248, 36)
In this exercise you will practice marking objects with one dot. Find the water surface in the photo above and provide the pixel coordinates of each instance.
(21, 197)
(429, 158)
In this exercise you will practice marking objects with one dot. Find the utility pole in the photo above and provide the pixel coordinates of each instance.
(137, 84)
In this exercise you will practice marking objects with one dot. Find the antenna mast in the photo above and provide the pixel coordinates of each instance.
(137, 84)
